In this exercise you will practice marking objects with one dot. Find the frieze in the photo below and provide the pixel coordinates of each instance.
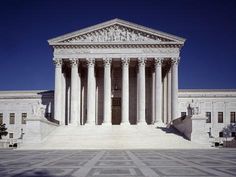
(71, 51)
(161, 50)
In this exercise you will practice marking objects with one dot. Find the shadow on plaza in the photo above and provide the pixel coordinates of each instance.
(36, 173)
(172, 130)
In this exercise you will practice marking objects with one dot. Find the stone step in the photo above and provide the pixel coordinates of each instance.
(114, 137)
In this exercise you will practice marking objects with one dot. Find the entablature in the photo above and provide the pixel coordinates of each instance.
(116, 52)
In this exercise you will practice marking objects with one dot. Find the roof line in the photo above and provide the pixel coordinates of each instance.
(113, 21)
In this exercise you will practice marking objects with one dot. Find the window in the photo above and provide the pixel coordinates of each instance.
(221, 134)
(232, 117)
(12, 118)
(1, 118)
(23, 118)
(183, 114)
(220, 117)
(10, 135)
(233, 134)
(208, 115)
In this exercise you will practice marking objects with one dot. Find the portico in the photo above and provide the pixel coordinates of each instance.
(116, 73)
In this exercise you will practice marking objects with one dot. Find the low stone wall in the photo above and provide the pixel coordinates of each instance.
(193, 128)
(37, 129)
(4, 143)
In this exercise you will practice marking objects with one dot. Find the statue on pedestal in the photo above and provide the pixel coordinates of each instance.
(193, 108)
(38, 110)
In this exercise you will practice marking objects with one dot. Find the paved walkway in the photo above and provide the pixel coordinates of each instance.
(118, 163)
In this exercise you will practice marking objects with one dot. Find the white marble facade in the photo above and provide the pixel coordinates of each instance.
(115, 72)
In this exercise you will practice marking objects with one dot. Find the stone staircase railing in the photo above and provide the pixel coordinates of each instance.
(193, 128)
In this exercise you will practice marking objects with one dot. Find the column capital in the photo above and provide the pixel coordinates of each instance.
(90, 62)
(141, 61)
(74, 62)
(158, 61)
(175, 60)
(107, 61)
(125, 61)
(57, 62)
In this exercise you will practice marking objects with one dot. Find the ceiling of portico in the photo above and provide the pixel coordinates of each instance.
(116, 32)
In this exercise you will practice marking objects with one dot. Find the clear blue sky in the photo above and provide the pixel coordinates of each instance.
(208, 59)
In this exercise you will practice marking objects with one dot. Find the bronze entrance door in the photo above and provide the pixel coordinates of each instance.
(116, 111)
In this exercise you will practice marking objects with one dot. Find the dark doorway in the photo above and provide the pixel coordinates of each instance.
(116, 111)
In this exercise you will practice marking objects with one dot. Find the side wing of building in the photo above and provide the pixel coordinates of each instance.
(219, 106)
(17, 106)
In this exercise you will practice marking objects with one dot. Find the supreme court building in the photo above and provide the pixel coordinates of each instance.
(112, 76)
(116, 72)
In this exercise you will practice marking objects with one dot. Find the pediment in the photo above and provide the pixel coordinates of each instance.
(116, 31)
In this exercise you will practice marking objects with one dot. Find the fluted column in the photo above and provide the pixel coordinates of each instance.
(125, 91)
(107, 91)
(169, 95)
(174, 88)
(74, 92)
(165, 90)
(58, 91)
(63, 101)
(91, 92)
(141, 86)
(153, 96)
(158, 87)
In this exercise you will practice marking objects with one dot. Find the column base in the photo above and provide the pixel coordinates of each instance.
(90, 124)
(159, 124)
(142, 123)
(73, 125)
(107, 124)
(125, 124)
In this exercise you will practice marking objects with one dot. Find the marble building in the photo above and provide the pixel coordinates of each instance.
(114, 73)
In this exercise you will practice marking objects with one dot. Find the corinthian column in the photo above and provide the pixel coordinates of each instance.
(125, 91)
(91, 92)
(74, 92)
(58, 91)
(174, 88)
(158, 87)
(107, 91)
(141, 87)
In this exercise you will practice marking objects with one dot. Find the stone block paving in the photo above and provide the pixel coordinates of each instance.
(118, 163)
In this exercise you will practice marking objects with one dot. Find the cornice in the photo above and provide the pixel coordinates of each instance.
(207, 93)
(115, 45)
(29, 94)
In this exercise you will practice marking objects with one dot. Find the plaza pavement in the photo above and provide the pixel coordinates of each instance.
(118, 163)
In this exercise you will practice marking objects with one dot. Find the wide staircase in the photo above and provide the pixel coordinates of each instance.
(114, 137)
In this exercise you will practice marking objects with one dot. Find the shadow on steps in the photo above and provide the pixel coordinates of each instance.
(172, 130)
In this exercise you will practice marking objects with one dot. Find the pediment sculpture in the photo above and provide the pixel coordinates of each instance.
(115, 33)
